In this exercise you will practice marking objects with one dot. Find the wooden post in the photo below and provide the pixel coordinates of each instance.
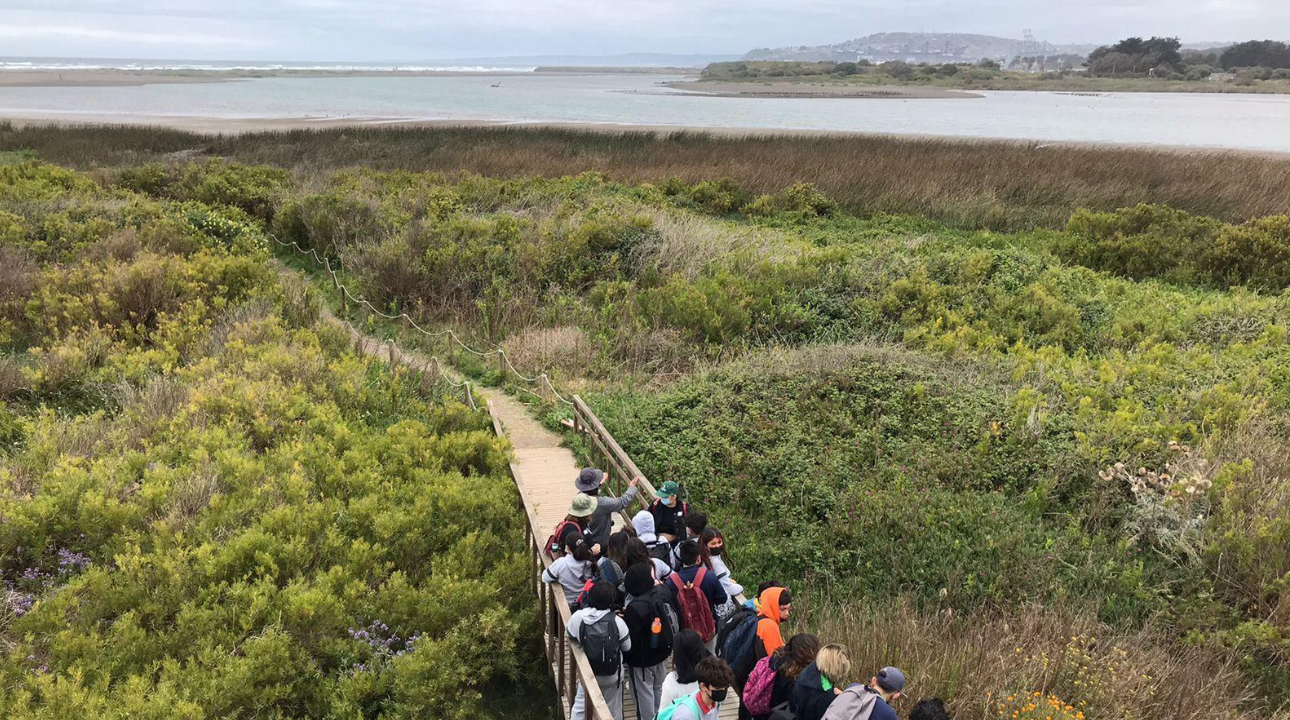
(501, 366)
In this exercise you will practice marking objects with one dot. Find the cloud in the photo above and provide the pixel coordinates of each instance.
(89, 33)
(423, 29)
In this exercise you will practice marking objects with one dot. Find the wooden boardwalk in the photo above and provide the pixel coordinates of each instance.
(544, 472)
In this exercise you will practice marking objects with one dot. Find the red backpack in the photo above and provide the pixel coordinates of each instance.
(553, 542)
(696, 611)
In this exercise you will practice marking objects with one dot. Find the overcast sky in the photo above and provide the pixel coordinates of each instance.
(403, 30)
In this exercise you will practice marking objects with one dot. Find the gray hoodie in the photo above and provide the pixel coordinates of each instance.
(643, 521)
(591, 616)
(602, 520)
(571, 574)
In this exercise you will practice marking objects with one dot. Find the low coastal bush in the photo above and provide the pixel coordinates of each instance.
(210, 507)
(1159, 242)
(888, 408)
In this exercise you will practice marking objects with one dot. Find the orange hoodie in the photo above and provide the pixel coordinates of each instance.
(768, 625)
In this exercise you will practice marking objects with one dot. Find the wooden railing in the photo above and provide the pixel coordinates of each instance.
(569, 665)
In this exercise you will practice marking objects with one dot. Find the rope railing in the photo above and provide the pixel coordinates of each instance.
(398, 357)
(540, 380)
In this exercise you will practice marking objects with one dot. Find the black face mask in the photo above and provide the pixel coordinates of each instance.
(716, 551)
(719, 695)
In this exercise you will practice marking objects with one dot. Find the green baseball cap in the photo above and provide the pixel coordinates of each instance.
(667, 489)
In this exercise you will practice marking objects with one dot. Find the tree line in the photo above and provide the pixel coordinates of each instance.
(1164, 57)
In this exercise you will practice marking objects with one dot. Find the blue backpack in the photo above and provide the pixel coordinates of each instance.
(667, 712)
(737, 646)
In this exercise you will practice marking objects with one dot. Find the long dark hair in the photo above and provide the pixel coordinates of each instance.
(686, 654)
(577, 546)
(579, 521)
(793, 656)
(635, 552)
(617, 549)
(708, 535)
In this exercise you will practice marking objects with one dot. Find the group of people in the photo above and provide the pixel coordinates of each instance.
(661, 589)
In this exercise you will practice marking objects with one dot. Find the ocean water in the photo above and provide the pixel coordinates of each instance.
(1248, 122)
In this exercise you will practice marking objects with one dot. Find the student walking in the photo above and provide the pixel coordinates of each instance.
(572, 569)
(613, 562)
(577, 520)
(715, 680)
(774, 607)
(687, 652)
(869, 702)
(637, 554)
(770, 686)
(603, 636)
(653, 623)
(696, 522)
(698, 594)
(820, 683)
(712, 546)
(643, 524)
(589, 483)
(669, 512)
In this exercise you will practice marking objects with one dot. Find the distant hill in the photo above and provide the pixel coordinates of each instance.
(623, 60)
(920, 47)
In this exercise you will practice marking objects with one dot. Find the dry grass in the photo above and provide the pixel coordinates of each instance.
(968, 183)
(686, 244)
(12, 379)
(566, 350)
(973, 662)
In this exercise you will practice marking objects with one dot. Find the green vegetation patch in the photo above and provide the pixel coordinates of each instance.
(209, 506)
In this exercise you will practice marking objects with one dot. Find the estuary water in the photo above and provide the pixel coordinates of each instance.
(1247, 122)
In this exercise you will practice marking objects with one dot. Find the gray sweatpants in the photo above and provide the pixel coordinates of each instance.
(647, 687)
(611, 687)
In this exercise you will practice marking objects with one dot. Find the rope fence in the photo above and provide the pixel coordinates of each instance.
(540, 380)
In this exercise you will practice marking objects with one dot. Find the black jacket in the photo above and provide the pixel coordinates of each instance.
(810, 700)
(638, 617)
(669, 520)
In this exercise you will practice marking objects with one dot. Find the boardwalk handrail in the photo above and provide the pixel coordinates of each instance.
(608, 455)
(569, 664)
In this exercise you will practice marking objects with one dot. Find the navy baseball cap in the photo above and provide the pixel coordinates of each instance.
(891, 679)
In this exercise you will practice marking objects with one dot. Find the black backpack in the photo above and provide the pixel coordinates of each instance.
(662, 550)
(602, 644)
(656, 604)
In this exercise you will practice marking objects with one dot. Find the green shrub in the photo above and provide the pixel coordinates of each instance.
(1151, 241)
(211, 508)
(1256, 254)
(803, 200)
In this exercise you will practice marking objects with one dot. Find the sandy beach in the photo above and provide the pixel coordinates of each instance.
(98, 78)
(786, 89)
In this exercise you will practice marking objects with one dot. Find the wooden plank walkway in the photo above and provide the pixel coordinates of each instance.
(544, 472)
